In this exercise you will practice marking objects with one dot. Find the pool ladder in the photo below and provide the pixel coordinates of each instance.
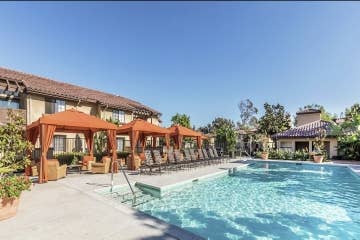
(247, 154)
(127, 180)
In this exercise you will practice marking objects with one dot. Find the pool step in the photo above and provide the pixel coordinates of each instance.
(140, 199)
(127, 197)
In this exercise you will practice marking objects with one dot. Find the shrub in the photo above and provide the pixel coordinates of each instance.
(14, 148)
(12, 186)
(302, 155)
(69, 158)
(122, 154)
(100, 155)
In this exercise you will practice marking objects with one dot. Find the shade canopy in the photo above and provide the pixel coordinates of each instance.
(138, 130)
(68, 121)
(179, 132)
(144, 127)
(73, 121)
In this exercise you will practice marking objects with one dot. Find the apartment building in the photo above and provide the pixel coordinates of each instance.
(32, 96)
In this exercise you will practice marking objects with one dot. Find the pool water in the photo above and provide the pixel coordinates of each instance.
(267, 201)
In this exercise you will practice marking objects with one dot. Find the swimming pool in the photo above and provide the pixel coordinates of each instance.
(267, 200)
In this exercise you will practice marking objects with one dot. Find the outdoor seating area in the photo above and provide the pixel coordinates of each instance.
(143, 159)
(186, 159)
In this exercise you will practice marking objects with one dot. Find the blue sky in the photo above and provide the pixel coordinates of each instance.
(196, 58)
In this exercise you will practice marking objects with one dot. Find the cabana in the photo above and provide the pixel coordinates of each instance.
(138, 130)
(71, 121)
(178, 132)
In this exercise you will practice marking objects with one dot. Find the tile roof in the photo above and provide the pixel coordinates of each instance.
(45, 86)
(310, 130)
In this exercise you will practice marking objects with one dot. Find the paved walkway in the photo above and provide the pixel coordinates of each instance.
(70, 209)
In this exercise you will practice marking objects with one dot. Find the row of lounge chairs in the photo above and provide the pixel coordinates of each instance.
(176, 160)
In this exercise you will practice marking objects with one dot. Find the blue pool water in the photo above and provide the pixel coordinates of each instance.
(267, 201)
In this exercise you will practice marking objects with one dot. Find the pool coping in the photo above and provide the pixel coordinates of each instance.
(352, 167)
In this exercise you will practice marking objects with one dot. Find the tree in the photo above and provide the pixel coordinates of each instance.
(181, 119)
(324, 114)
(247, 114)
(348, 134)
(14, 148)
(275, 120)
(206, 129)
(352, 111)
(225, 133)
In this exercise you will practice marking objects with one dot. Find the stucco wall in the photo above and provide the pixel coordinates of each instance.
(89, 108)
(291, 143)
(35, 107)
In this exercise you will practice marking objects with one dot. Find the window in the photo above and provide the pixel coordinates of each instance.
(54, 106)
(9, 103)
(118, 115)
(59, 105)
(59, 143)
(120, 144)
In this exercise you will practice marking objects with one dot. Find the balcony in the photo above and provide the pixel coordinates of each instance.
(4, 114)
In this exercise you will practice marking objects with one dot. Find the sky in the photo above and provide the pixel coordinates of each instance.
(198, 58)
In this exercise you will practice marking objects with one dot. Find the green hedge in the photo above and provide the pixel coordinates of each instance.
(301, 155)
(69, 158)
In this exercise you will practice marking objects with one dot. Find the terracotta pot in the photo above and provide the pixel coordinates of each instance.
(264, 155)
(8, 207)
(318, 158)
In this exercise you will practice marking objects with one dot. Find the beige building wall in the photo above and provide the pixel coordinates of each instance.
(289, 144)
(35, 107)
(88, 108)
(302, 119)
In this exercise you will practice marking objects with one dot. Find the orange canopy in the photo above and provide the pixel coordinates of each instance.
(139, 129)
(179, 132)
(143, 126)
(73, 121)
(68, 121)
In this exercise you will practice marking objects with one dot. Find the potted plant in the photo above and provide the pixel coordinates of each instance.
(14, 156)
(319, 146)
(318, 157)
(264, 154)
(10, 191)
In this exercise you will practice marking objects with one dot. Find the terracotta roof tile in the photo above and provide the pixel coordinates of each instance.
(45, 86)
(310, 130)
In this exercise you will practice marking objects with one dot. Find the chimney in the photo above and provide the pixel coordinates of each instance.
(307, 116)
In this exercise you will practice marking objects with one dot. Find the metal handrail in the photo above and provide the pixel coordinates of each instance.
(127, 180)
(249, 155)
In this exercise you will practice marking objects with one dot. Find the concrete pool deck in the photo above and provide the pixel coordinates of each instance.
(70, 209)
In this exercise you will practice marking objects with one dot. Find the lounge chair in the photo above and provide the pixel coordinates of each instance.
(221, 159)
(157, 159)
(201, 155)
(103, 167)
(147, 163)
(179, 159)
(87, 160)
(194, 158)
(54, 170)
(171, 161)
(212, 156)
(206, 156)
(187, 158)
